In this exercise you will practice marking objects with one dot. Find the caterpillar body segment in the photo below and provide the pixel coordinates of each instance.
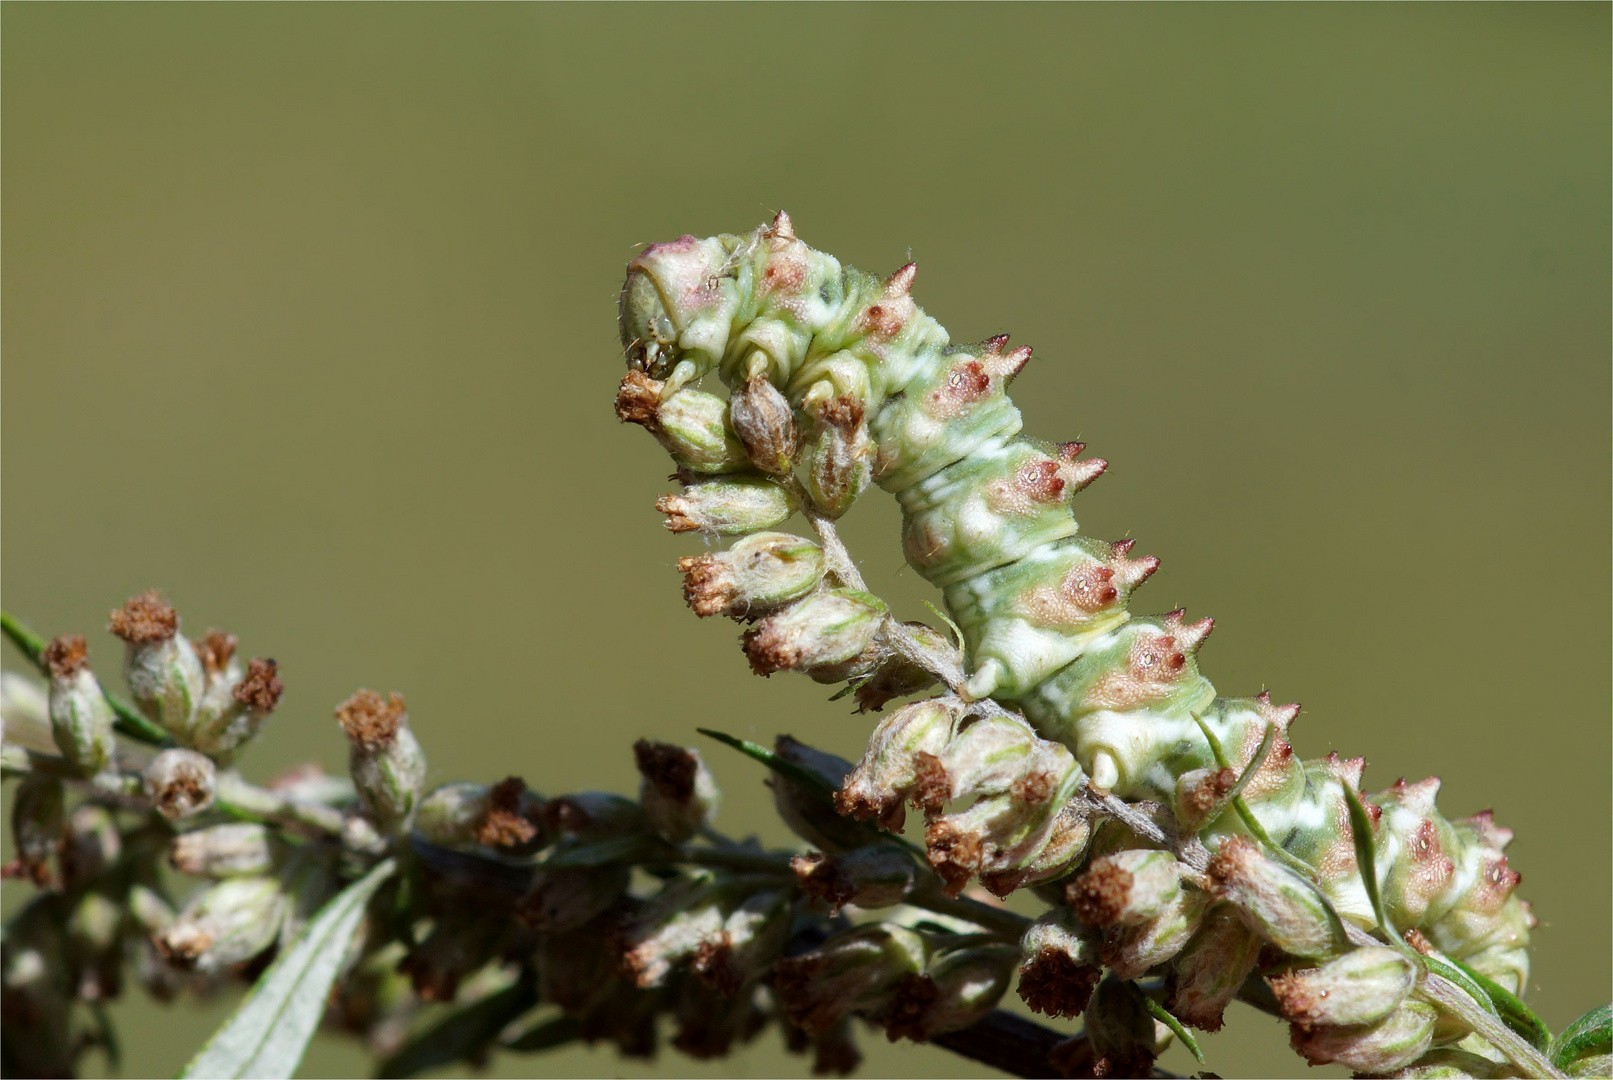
(881, 395)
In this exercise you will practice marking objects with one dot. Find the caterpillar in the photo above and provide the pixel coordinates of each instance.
(880, 395)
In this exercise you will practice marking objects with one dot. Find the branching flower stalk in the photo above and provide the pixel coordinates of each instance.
(1185, 856)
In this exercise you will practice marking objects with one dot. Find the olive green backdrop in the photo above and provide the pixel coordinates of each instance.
(309, 320)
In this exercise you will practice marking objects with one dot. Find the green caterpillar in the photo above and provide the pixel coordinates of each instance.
(882, 396)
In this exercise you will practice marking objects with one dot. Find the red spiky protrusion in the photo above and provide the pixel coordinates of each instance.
(1000, 364)
(1279, 716)
(1347, 771)
(1490, 834)
(900, 283)
(1076, 473)
(1418, 797)
(1130, 572)
(1189, 636)
(781, 227)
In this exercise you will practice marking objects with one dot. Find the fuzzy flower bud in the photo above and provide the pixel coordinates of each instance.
(25, 712)
(37, 827)
(1395, 1041)
(857, 970)
(91, 845)
(677, 791)
(223, 851)
(1121, 1030)
(237, 701)
(729, 507)
(180, 783)
(92, 946)
(840, 455)
(750, 939)
(671, 928)
(454, 949)
(80, 717)
(1361, 987)
(1284, 909)
(1131, 951)
(165, 676)
(692, 425)
(958, 989)
(897, 676)
(765, 423)
(565, 898)
(1209, 972)
(1059, 965)
(506, 817)
(385, 760)
(1125, 889)
(875, 876)
(757, 575)
(825, 635)
(889, 768)
(230, 922)
(806, 812)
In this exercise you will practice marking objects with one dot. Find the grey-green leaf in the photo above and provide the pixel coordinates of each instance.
(267, 1035)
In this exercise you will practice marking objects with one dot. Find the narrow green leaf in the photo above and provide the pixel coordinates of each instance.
(1458, 976)
(1517, 1016)
(1590, 1035)
(1164, 1017)
(546, 1036)
(811, 781)
(1235, 799)
(1366, 857)
(466, 1034)
(267, 1035)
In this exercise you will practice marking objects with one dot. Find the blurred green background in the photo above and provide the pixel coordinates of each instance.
(308, 318)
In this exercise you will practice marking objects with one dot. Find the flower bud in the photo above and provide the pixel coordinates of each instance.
(856, 970)
(840, 455)
(36, 1023)
(758, 574)
(37, 827)
(765, 423)
(225, 924)
(1454, 1064)
(1132, 951)
(25, 712)
(807, 813)
(565, 898)
(897, 676)
(1361, 987)
(1059, 965)
(164, 674)
(385, 760)
(750, 939)
(670, 928)
(223, 851)
(677, 791)
(80, 717)
(1397, 1040)
(1121, 1030)
(692, 425)
(1066, 845)
(889, 769)
(236, 702)
(1125, 889)
(505, 817)
(958, 989)
(709, 1020)
(455, 948)
(94, 954)
(1201, 793)
(1211, 969)
(91, 845)
(875, 876)
(180, 783)
(575, 968)
(729, 507)
(1283, 908)
(593, 817)
(829, 635)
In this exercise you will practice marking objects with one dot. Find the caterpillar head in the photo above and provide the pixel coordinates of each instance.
(674, 303)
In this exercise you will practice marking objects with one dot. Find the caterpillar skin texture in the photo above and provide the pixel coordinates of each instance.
(987, 518)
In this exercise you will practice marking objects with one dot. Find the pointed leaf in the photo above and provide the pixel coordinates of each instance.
(267, 1035)
(463, 1035)
(1589, 1035)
